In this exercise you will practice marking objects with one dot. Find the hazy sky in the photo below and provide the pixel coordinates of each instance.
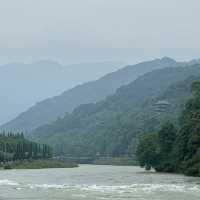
(94, 30)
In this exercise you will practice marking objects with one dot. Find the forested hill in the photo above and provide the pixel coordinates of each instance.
(175, 147)
(50, 109)
(111, 127)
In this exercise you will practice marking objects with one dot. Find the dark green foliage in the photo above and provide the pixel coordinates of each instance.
(147, 151)
(188, 140)
(8, 166)
(166, 138)
(177, 151)
(15, 147)
(154, 150)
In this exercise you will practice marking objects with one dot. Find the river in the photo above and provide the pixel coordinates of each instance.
(91, 182)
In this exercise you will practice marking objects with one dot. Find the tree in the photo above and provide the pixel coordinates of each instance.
(147, 151)
(176, 151)
(166, 138)
(188, 141)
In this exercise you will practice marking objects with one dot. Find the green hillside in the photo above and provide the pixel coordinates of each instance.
(112, 127)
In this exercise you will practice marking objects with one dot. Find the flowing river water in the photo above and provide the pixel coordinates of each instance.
(92, 182)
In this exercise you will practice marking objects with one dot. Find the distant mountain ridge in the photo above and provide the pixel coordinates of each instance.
(50, 109)
(22, 85)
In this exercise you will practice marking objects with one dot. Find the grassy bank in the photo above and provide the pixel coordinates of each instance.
(39, 164)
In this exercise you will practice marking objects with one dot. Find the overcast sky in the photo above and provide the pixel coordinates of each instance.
(74, 31)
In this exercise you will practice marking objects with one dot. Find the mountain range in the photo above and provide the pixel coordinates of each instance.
(50, 109)
(111, 126)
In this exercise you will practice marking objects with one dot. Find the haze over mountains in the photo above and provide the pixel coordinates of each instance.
(22, 85)
(50, 109)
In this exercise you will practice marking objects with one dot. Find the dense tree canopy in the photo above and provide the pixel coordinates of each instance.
(147, 151)
(175, 150)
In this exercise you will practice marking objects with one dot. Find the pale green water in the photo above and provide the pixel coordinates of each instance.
(89, 182)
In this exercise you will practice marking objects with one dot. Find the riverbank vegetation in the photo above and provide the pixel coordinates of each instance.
(16, 152)
(39, 164)
(14, 147)
(175, 147)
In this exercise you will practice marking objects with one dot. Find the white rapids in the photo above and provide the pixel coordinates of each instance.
(92, 182)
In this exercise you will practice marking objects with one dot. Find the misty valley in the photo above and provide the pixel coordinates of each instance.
(140, 115)
(99, 100)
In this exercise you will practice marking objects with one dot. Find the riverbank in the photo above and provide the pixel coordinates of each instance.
(39, 164)
(116, 161)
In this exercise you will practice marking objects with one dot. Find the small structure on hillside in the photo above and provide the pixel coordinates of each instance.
(161, 106)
